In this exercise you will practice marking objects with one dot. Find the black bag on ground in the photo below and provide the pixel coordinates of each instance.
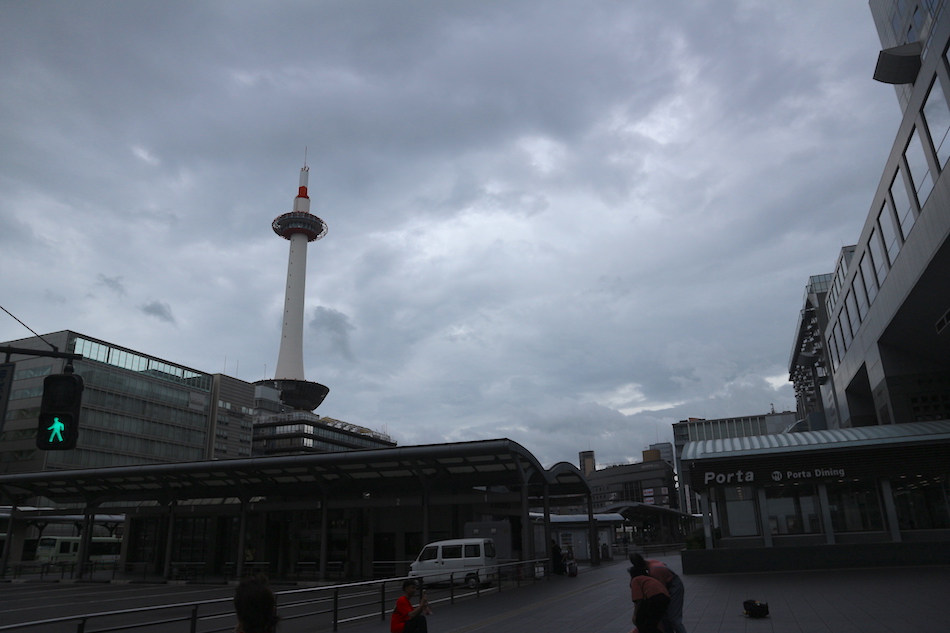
(755, 609)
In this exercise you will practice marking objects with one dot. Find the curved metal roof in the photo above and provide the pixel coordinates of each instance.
(817, 440)
(440, 467)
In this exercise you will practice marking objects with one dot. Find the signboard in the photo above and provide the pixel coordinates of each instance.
(712, 477)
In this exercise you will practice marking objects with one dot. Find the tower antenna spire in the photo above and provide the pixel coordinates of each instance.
(305, 155)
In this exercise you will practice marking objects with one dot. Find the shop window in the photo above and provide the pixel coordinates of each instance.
(922, 502)
(793, 509)
(855, 507)
(739, 509)
(937, 117)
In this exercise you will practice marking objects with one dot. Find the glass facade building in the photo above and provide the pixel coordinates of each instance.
(136, 409)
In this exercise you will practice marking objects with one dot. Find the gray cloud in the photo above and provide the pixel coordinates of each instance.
(570, 224)
(112, 283)
(331, 329)
(158, 309)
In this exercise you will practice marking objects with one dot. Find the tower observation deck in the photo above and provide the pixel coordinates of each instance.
(300, 227)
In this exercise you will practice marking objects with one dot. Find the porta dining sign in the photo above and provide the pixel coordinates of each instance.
(741, 476)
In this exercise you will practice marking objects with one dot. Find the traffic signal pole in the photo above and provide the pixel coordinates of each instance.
(37, 352)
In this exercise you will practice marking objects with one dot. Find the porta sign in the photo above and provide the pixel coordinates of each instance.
(712, 478)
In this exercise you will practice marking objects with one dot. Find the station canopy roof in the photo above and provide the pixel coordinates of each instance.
(914, 449)
(832, 439)
(440, 468)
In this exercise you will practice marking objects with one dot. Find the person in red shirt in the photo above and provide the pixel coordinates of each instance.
(650, 599)
(406, 618)
(673, 620)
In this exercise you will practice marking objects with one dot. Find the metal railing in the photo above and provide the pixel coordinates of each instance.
(327, 606)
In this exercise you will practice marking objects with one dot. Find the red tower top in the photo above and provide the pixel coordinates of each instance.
(300, 220)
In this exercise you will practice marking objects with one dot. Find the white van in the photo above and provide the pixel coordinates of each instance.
(468, 560)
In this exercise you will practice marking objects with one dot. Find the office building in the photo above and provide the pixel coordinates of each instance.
(136, 408)
(699, 429)
(809, 367)
(643, 493)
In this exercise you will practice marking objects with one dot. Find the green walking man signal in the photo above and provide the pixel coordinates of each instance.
(57, 430)
(58, 427)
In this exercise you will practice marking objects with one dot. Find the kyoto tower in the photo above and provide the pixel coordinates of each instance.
(299, 227)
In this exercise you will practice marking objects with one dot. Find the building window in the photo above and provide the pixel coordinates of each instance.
(878, 259)
(922, 502)
(867, 273)
(937, 119)
(793, 509)
(853, 315)
(855, 507)
(888, 226)
(835, 352)
(845, 321)
(33, 372)
(739, 508)
(858, 291)
(919, 169)
(842, 341)
(902, 205)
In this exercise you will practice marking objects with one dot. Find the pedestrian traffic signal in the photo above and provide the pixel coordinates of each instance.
(58, 427)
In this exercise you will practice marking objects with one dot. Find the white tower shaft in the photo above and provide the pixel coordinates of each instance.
(290, 356)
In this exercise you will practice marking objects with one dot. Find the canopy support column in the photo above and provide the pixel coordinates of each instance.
(169, 539)
(890, 510)
(7, 543)
(324, 537)
(592, 529)
(241, 552)
(85, 540)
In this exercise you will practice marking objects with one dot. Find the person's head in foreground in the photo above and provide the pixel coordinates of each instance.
(255, 606)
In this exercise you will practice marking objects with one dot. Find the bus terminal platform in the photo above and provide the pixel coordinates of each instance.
(877, 600)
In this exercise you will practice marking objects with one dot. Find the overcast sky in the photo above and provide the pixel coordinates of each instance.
(567, 223)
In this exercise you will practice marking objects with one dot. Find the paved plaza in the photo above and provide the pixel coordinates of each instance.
(598, 601)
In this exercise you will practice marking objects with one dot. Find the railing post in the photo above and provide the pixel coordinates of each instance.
(81, 626)
(382, 601)
(336, 607)
(194, 619)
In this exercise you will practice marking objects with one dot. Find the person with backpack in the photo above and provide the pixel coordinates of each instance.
(650, 598)
(673, 620)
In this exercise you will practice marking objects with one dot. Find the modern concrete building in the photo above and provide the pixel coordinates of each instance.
(874, 364)
(888, 308)
(809, 367)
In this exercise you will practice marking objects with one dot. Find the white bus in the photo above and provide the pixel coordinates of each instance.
(65, 549)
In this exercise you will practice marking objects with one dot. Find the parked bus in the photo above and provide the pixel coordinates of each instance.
(65, 549)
